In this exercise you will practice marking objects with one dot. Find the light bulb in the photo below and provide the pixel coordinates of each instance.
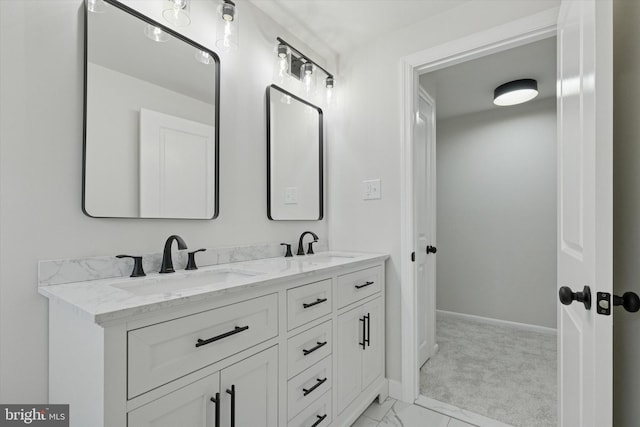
(155, 33)
(178, 14)
(203, 57)
(228, 11)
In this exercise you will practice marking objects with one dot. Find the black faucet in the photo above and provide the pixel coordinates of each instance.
(300, 247)
(167, 262)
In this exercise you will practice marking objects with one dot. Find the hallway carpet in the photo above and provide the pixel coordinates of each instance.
(501, 372)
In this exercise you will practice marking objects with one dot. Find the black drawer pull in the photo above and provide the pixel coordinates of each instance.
(237, 330)
(311, 350)
(320, 419)
(318, 301)
(365, 285)
(318, 384)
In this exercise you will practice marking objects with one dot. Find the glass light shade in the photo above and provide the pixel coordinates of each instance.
(204, 57)
(155, 33)
(227, 27)
(515, 92)
(308, 78)
(96, 6)
(178, 14)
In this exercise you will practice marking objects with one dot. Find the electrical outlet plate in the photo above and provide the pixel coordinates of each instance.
(291, 196)
(371, 189)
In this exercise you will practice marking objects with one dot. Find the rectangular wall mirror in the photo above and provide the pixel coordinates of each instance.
(150, 121)
(294, 157)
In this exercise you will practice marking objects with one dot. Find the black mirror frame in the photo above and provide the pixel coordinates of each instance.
(320, 154)
(182, 38)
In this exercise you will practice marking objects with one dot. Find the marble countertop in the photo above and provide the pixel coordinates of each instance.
(113, 299)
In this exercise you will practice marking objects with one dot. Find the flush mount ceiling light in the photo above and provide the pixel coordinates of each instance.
(515, 92)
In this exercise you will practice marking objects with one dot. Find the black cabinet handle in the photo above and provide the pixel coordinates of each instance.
(364, 341)
(315, 386)
(368, 321)
(311, 350)
(232, 392)
(237, 330)
(320, 419)
(216, 401)
(364, 285)
(311, 304)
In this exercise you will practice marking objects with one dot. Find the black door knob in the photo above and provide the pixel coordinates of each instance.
(431, 249)
(567, 296)
(628, 300)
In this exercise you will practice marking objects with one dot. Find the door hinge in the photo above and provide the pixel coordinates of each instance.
(413, 257)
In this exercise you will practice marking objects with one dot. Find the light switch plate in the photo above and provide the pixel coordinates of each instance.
(291, 196)
(371, 189)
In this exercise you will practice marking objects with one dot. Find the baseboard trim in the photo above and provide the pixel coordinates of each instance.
(395, 389)
(523, 326)
(458, 413)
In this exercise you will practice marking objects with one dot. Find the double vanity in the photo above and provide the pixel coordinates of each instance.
(271, 342)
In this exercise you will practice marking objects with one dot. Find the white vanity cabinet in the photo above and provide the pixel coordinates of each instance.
(297, 350)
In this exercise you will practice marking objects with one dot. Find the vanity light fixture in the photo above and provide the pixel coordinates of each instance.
(303, 68)
(515, 92)
(96, 6)
(178, 13)
(227, 26)
(155, 33)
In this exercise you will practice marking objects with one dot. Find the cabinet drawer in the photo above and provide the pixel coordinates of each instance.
(308, 302)
(160, 353)
(308, 348)
(318, 414)
(358, 285)
(308, 386)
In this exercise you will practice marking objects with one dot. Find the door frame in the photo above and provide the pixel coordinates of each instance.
(513, 34)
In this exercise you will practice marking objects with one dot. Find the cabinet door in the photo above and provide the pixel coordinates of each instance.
(373, 356)
(254, 382)
(190, 406)
(350, 335)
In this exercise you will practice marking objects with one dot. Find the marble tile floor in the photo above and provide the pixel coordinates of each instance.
(392, 413)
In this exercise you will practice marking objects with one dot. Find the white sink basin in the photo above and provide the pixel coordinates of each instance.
(179, 281)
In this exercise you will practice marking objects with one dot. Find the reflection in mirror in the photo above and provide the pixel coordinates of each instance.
(151, 120)
(295, 157)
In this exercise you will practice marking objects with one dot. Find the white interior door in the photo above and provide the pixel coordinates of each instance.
(424, 183)
(585, 209)
(177, 167)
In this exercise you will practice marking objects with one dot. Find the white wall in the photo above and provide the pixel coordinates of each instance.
(41, 79)
(626, 208)
(365, 143)
(113, 153)
(496, 220)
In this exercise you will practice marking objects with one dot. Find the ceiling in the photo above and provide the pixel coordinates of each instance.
(468, 87)
(338, 26)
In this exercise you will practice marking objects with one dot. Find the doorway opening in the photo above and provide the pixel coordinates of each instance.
(493, 278)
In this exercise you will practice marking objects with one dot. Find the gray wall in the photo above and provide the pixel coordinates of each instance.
(626, 209)
(41, 167)
(496, 213)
